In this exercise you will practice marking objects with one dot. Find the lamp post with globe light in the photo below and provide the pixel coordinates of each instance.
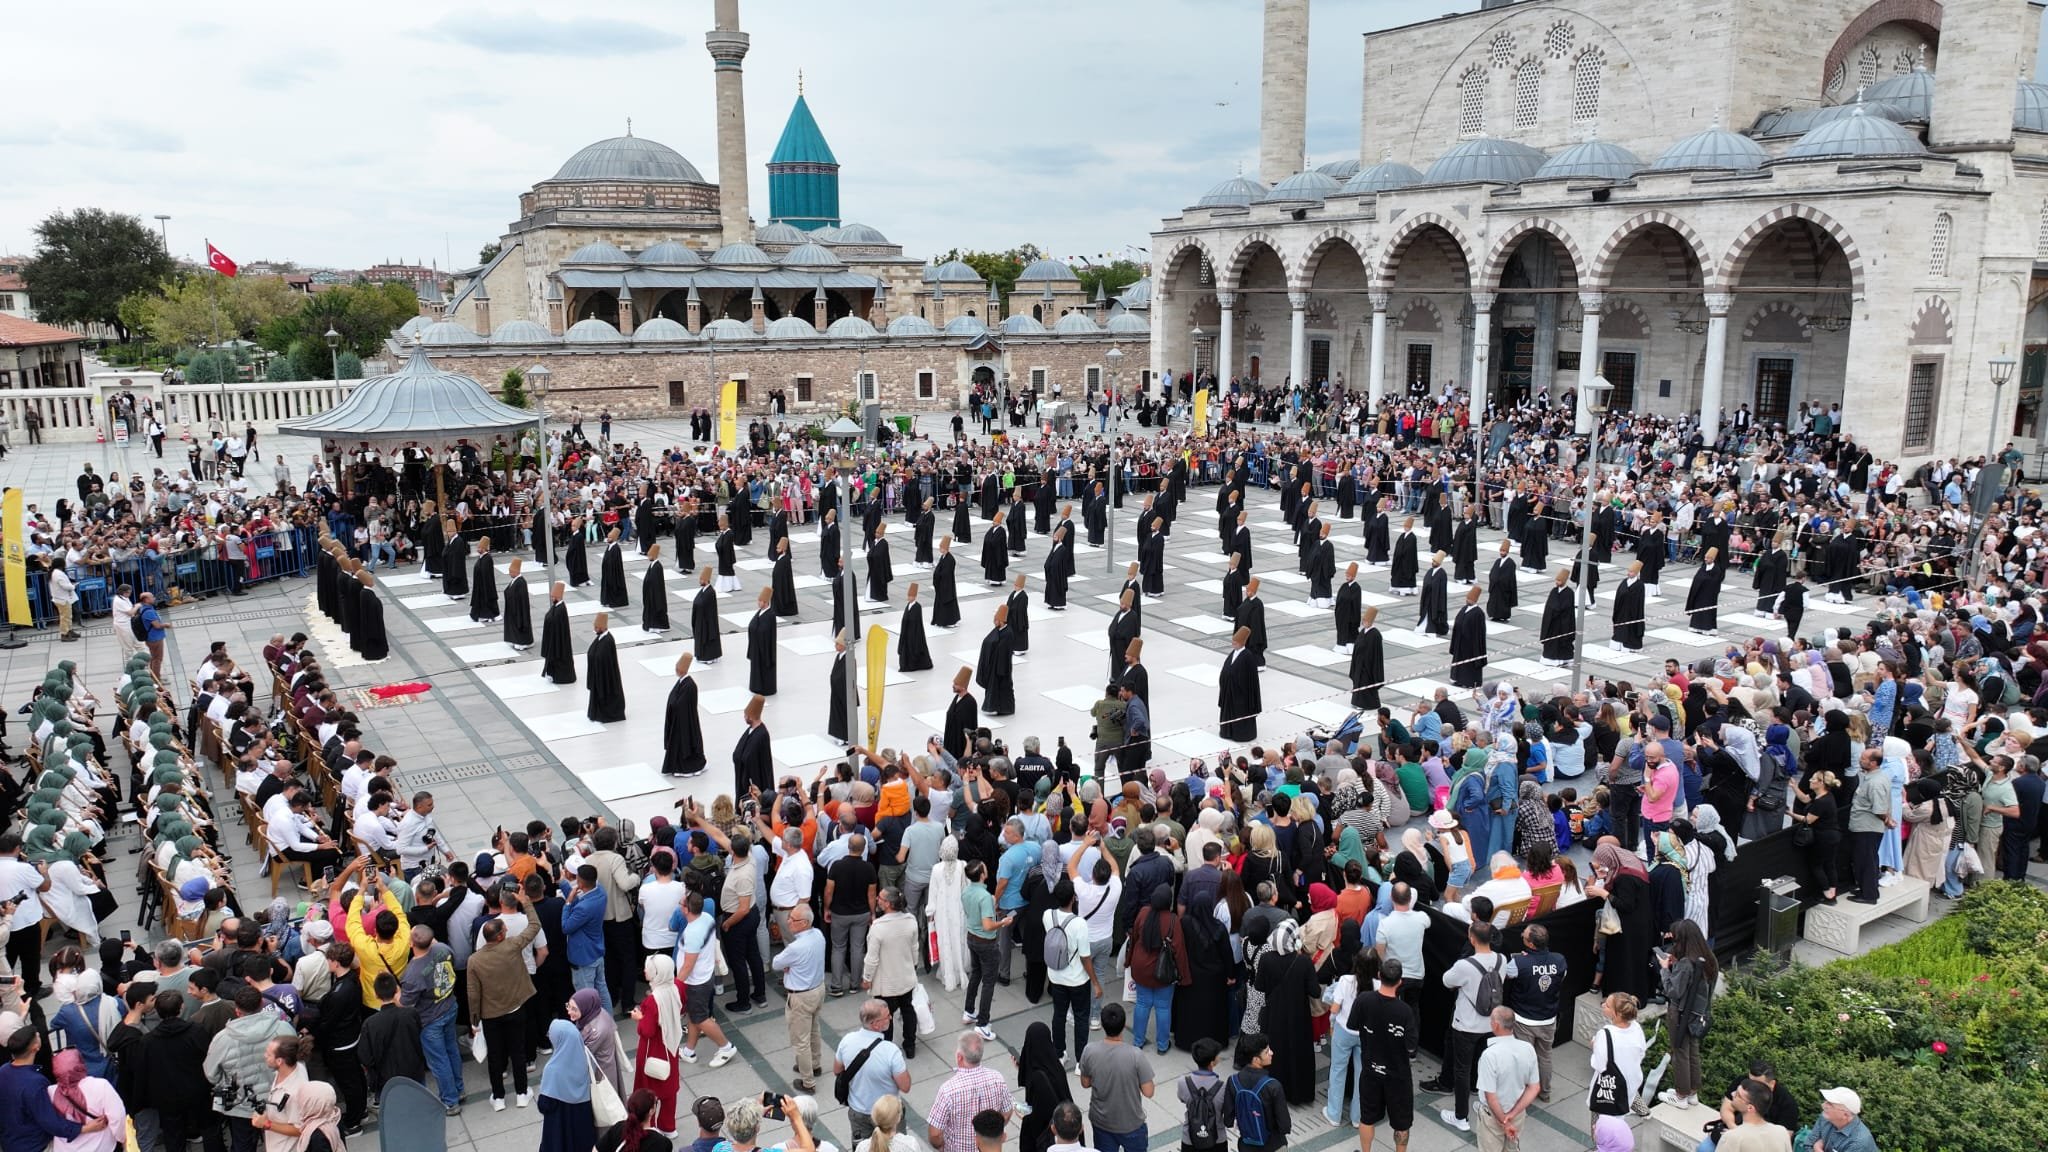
(1115, 356)
(334, 355)
(1596, 392)
(846, 434)
(537, 382)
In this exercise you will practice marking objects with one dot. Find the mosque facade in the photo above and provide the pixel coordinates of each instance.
(1716, 206)
(641, 283)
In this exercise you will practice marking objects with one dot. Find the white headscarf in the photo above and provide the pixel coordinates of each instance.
(668, 1001)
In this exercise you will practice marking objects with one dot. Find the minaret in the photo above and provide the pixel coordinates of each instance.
(728, 46)
(1973, 83)
(1283, 91)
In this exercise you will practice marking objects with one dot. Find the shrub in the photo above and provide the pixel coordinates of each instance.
(349, 367)
(2007, 920)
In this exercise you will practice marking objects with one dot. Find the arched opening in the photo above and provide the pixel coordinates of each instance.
(1537, 278)
(1339, 320)
(1657, 271)
(1260, 312)
(600, 304)
(674, 304)
(1791, 325)
(739, 305)
(1426, 265)
(1186, 275)
(984, 379)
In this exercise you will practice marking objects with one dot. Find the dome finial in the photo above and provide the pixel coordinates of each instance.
(629, 126)
(1859, 92)
(799, 81)
(1386, 153)
(1717, 118)
(1920, 65)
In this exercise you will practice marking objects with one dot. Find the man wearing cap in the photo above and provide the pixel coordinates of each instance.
(1840, 1127)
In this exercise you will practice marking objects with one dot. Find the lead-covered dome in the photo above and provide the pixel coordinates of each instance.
(808, 255)
(850, 328)
(1485, 160)
(779, 234)
(1046, 268)
(1591, 160)
(1715, 148)
(521, 332)
(1856, 136)
(1339, 170)
(965, 326)
(1127, 324)
(911, 326)
(854, 232)
(1076, 324)
(1303, 188)
(414, 327)
(630, 160)
(2030, 107)
(661, 330)
(727, 328)
(1912, 94)
(1236, 192)
(791, 328)
(599, 252)
(740, 254)
(670, 253)
(591, 331)
(446, 332)
(1022, 324)
(952, 272)
(1384, 176)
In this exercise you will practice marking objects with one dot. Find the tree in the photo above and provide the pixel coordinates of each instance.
(350, 367)
(488, 252)
(203, 307)
(998, 268)
(514, 390)
(210, 368)
(363, 314)
(280, 371)
(88, 261)
(1113, 277)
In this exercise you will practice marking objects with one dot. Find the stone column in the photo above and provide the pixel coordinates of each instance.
(625, 324)
(1162, 316)
(1226, 341)
(1297, 339)
(1283, 90)
(1376, 368)
(728, 47)
(1482, 337)
(1590, 304)
(1718, 305)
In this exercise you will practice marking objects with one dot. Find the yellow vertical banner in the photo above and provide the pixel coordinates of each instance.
(729, 416)
(14, 538)
(1201, 411)
(878, 676)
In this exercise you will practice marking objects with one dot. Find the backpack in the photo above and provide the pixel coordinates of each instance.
(1202, 1119)
(1059, 950)
(1486, 995)
(138, 627)
(1250, 1107)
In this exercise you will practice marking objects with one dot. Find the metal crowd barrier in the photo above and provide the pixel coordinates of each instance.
(275, 555)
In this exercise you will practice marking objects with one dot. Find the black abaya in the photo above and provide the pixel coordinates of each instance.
(1289, 982)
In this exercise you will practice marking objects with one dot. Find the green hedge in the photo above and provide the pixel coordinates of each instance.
(1944, 1034)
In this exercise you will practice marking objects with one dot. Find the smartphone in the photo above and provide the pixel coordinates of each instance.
(771, 1106)
(327, 874)
(127, 937)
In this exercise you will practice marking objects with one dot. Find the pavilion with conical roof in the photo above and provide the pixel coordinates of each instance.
(803, 175)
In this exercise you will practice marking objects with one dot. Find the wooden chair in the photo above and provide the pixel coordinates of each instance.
(1514, 910)
(1543, 901)
(187, 929)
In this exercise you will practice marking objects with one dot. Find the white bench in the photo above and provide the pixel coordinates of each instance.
(1839, 926)
(1681, 1128)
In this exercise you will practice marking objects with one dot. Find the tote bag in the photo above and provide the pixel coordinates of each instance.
(1609, 1096)
(605, 1106)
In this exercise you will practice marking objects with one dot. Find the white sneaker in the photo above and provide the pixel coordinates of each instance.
(689, 1055)
(497, 1103)
(724, 1056)
(987, 1033)
(967, 1017)
(1451, 1118)
(525, 1098)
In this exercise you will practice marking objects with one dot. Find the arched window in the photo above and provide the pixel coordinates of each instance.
(1836, 79)
(1866, 65)
(1472, 102)
(1527, 77)
(1937, 245)
(1586, 85)
(1501, 52)
(1903, 62)
(2041, 241)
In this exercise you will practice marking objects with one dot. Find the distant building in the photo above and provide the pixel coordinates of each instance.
(36, 355)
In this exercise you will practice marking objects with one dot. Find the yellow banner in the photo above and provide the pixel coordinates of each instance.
(878, 676)
(1201, 411)
(729, 415)
(14, 539)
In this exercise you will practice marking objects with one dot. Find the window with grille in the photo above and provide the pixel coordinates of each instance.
(1923, 394)
(1472, 103)
(679, 394)
(1903, 62)
(1837, 78)
(927, 385)
(6, 301)
(1038, 379)
(1620, 370)
(2041, 241)
(1558, 41)
(1937, 245)
(1419, 356)
(1527, 78)
(1094, 378)
(1502, 52)
(1866, 66)
(803, 389)
(869, 389)
(1586, 86)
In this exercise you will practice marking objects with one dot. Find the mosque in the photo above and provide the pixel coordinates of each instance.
(639, 283)
(1719, 207)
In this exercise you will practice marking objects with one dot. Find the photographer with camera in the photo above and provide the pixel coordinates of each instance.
(237, 1065)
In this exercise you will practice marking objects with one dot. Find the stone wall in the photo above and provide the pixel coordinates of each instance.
(582, 194)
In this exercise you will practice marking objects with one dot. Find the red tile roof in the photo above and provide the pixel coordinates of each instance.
(9, 282)
(16, 333)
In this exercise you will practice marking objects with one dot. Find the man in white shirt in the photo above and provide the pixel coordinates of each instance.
(418, 837)
(793, 879)
(295, 838)
(20, 881)
(1074, 985)
(64, 594)
(1400, 937)
(698, 972)
(1470, 1028)
(660, 897)
(376, 831)
(124, 609)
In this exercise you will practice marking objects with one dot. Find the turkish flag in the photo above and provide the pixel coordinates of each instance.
(219, 262)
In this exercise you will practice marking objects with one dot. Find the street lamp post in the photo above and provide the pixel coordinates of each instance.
(2001, 375)
(164, 230)
(1595, 392)
(537, 377)
(334, 355)
(1993, 472)
(1115, 356)
(846, 433)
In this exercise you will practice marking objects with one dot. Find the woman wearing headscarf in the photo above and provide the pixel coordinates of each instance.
(659, 1025)
(73, 897)
(1212, 970)
(600, 1034)
(1929, 815)
(566, 1121)
(1044, 1081)
(316, 1113)
(1287, 978)
(1890, 847)
(1157, 934)
(1670, 883)
(1263, 864)
(1349, 849)
(943, 912)
(81, 1096)
(87, 1019)
(1468, 802)
(1620, 880)
(1038, 886)
(1416, 867)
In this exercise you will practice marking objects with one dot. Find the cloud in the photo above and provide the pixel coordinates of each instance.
(529, 35)
(130, 136)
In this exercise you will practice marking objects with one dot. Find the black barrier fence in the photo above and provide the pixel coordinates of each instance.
(274, 555)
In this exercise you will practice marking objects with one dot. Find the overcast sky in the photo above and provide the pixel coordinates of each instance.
(347, 135)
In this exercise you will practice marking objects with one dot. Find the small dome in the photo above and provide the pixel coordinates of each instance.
(1236, 192)
(591, 331)
(1716, 147)
(522, 332)
(1076, 324)
(1591, 160)
(629, 160)
(791, 328)
(778, 234)
(851, 328)
(952, 272)
(1855, 136)
(1046, 268)
(1303, 188)
(727, 328)
(1138, 295)
(414, 327)
(1127, 324)
(598, 252)
(809, 255)
(1912, 94)
(1339, 170)
(661, 330)
(854, 233)
(740, 254)
(965, 326)
(911, 326)
(2030, 107)
(446, 332)
(1485, 160)
(827, 235)
(1022, 325)
(1384, 176)
(670, 253)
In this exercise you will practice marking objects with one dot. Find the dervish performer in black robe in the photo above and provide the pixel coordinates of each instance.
(828, 547)
(1368, 663)
(1251, 615)
(1241, 541)
(1536, 541)
(1560, 628)
(557, 658)
(1468, 643)
(1019, 618)
(705, 642)
(1628, 611)
(1059, 560)
(347, 594)
(1311, 535)
(923, 535)
(455, 564)
(1434, 618)
(1124, 627)
(369, 640)
(1651, 552)
(575, 562)
(727, 551)
(483, 584)
(782, 582)
(992, 669)
(1844, 563)
(1226, 520)
(1095, 514)
(1152, 565)
(1322, 568)
(1792, 606)
(963, 716)
(995, 553)
(611, 573)
(542, 535)
(945, 593)
(325, 569)
(1018, 520)
(963, 520)
(682, 730)
(1602, 547)
(753, 755)
(1407, 565)
(1772, 568)
(1703, 599)
(433, 540)
(880, 571)
(761, 647)
(601, 671)
(1134, 583)
(912, 653)
(518, 611)
(1235, 578)
(838, 723)
(1503, 594)
(1376, 536)
(1350, 599)
(1238, 702)
(1136, 675)
(686, 536)
(654, 592)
